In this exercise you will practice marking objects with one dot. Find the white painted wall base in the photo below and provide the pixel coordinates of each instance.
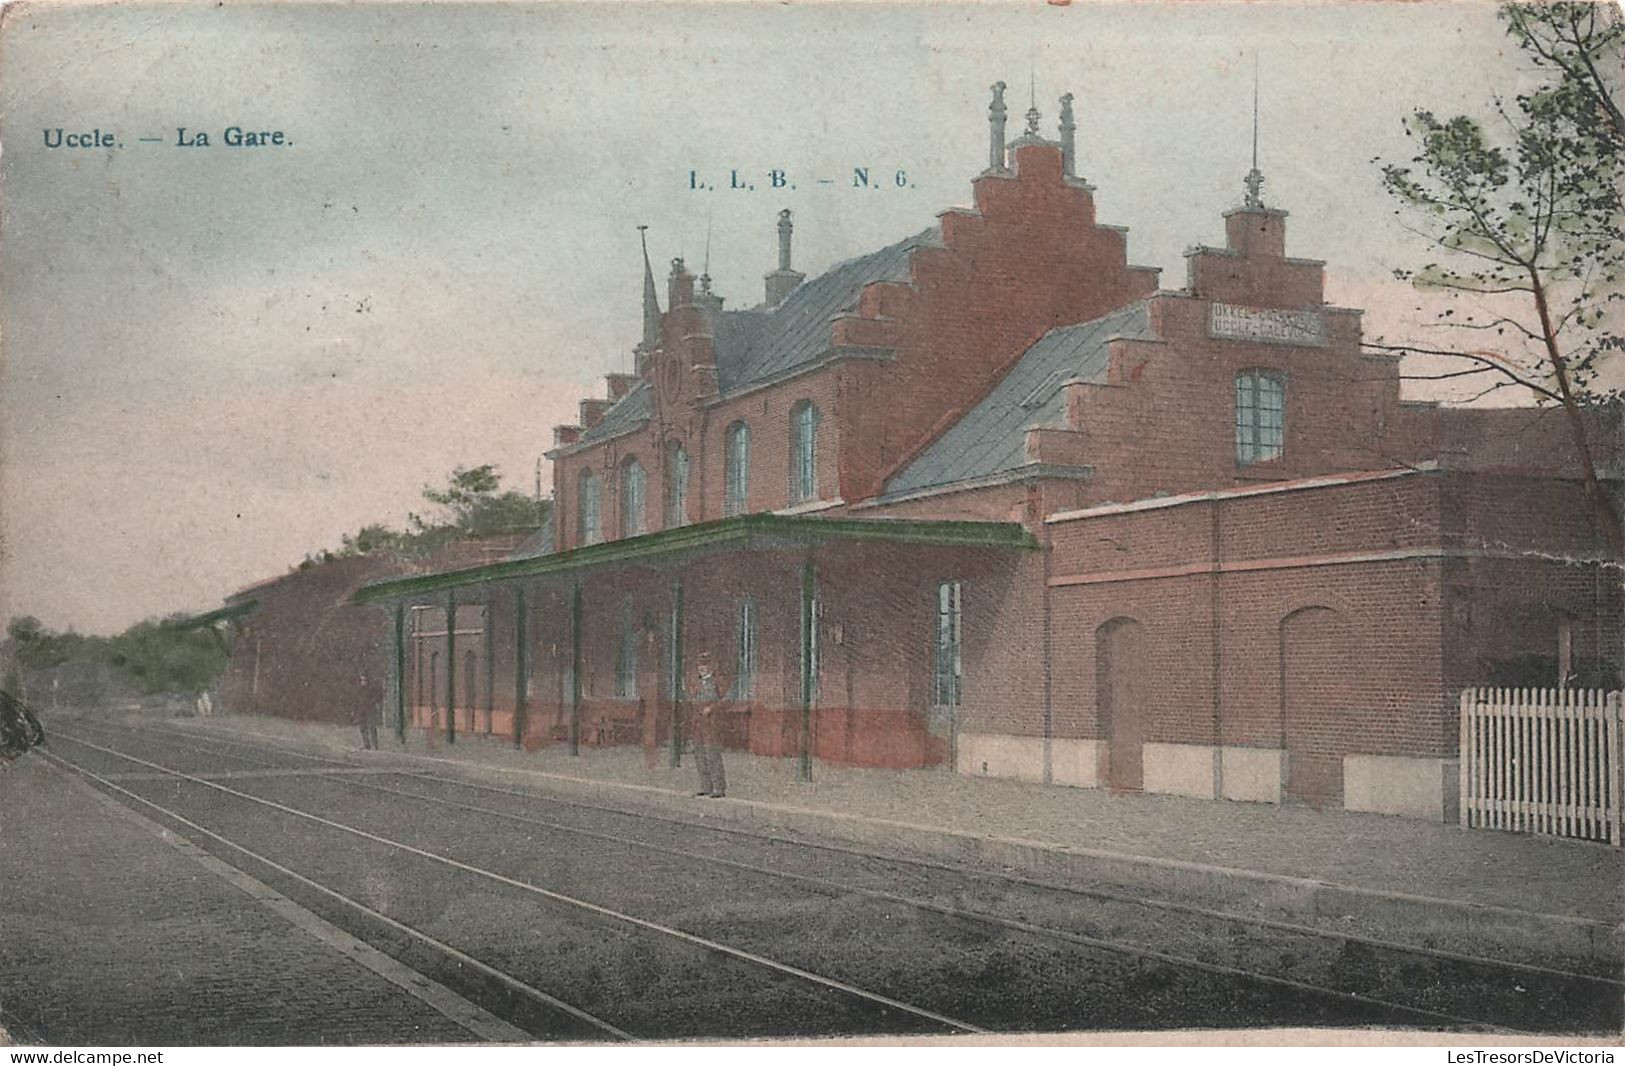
(1394, 784)
(997, 755)
(1255, 775)
(1077, 762)
(1180, 769)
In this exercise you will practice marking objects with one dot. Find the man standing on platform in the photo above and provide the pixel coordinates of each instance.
(706, 730)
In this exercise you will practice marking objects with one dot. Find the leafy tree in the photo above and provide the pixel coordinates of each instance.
(470, 505)
(150, 657)
(476, 508)
(1530, 223)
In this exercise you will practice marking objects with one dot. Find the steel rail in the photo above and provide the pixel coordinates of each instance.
(1172, 906)
(842, 888)
(462, 958)
(558, 897)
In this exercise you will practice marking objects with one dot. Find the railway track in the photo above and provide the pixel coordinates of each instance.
(1435, 988)
(876, 1011)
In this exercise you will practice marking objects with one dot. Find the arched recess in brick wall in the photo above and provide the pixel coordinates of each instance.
(1318, 693)
(1121, 687)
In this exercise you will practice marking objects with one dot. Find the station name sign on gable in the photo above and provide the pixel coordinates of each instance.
(1266, 324)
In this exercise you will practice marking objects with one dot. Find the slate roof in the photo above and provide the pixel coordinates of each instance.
(755, 345)
(538, 543)
(991, 437)
(630, 410)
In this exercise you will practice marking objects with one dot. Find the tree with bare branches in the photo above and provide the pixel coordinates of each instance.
(1528, 215)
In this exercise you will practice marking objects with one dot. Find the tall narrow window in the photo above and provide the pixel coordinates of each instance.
(736, 477)
(744, 685)
(674, 631)
(587, 508)
(803, 452)
(626, 655)
(947, 661)
(1260, 421)
(632, 485)
(811, 641)
(676, 486)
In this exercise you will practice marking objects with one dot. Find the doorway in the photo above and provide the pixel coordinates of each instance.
(1120, 689)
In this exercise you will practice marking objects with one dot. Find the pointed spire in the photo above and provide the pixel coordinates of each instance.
(1254, 181)
(651, 299)
(705, 271)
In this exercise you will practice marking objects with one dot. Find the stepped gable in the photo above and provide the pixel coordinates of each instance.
(753, 346)
(991, 437)
(759, 344)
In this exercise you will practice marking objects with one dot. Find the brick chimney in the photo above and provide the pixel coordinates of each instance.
(618, 385)
(1069, 134)
(995, 128)
(781, 282)
(592, 411)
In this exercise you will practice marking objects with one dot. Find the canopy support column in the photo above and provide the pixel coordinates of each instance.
(400, 671)
(575, 670)
(675, 758)
(490, 665)
(451, 667)
(521, 669)
(804, 765)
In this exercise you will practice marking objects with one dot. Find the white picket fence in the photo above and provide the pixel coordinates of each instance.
(1543, 761)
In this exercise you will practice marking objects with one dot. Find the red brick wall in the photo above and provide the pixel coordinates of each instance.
(1321, 659)
(306, 652)
(1028, 258)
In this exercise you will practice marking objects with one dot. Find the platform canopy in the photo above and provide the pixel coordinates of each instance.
(229, 613)
(750, 532)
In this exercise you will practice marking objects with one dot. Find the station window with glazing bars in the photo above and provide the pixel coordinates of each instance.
(587, 508)
(810, 642)
(1260, 416)
(736, 475)
(676, 486)
(626, 655)
(632, 493)
(744, 685)
(803, 452)
(948, 661)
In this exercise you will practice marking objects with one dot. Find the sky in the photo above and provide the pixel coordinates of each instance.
(215, 359)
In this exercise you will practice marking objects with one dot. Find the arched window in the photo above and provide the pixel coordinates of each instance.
(588, 529)
(632, 483)
(1260, 416)
(736, 479)
(676, 486)
(803, 452)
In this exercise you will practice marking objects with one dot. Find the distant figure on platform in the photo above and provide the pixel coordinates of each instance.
(205, 705)
(707, 698)
(369, 726)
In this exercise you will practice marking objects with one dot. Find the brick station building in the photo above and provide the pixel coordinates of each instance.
(989, 499)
